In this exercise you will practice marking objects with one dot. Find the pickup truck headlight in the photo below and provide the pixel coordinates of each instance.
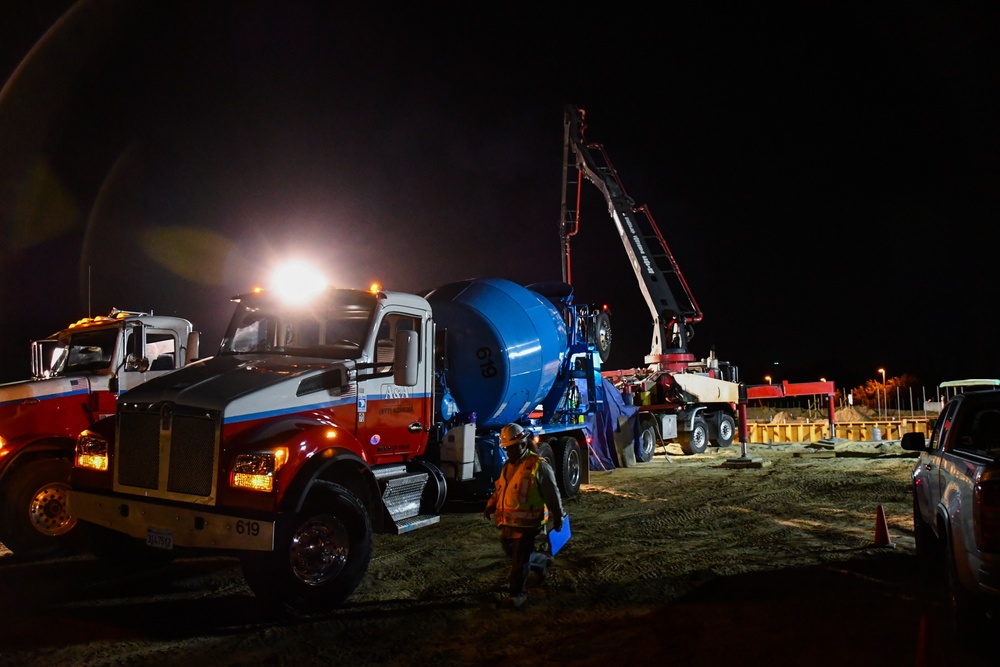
(255, 471)
(91, 451)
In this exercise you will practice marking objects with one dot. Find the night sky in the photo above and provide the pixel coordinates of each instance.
(826, 178)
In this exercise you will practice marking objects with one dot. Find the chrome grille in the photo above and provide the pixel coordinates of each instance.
(192, 455)
(183, 439)
(139, 449)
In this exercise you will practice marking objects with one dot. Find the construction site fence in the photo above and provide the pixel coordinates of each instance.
(889, 429)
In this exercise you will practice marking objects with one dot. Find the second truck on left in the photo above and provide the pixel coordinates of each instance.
(76, 376)
(322, 422)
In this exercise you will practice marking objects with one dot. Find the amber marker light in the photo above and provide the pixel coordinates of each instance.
(255, 471)
(375, 288)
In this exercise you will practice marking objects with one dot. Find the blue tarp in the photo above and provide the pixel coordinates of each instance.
(603, 452)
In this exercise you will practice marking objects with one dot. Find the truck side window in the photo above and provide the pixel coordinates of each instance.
(385, 340)
(942, 427)
(161, 350)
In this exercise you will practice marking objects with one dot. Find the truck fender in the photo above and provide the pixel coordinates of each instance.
(689, 417)
(341, 466)
(45, 447)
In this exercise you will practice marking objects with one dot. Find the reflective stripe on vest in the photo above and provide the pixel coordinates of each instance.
(520, 504)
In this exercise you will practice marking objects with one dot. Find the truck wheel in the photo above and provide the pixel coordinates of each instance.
(545, 450)
(320, 554)
(968, 612)
(725, 431)
(435, 491)
(695, 440)
(602, 335)
(570, 467)
(35, 522)
(645, 448)
(923, 535)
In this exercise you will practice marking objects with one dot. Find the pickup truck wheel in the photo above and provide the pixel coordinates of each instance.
(968, 613)
(923, 536)
(569, 469)
(34, 519)
(320, 554)
(725, 431)
(696, 440)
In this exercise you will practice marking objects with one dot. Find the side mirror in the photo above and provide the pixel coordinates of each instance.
(404, 359)
(133, 363)
(913, 442)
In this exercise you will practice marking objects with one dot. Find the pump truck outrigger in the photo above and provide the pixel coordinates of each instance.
(317, 424)
(678, 397)
(76, 376)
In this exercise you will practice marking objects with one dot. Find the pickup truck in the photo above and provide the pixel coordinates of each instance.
(956, 504)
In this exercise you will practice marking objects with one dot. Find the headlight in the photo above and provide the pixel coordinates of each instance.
(91, 451)
(255, 471)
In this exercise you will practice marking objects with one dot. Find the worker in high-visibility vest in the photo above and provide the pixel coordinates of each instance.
(525, 489)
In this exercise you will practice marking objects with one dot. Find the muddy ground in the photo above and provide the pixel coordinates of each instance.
(680, 561)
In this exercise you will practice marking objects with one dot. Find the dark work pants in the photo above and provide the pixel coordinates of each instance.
(519, 545)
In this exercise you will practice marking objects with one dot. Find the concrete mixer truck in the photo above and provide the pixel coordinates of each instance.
(320, 422)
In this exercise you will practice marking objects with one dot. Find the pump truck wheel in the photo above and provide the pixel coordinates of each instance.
(33, 518)
(602, 335)
(645, 445)
(696, 440)
(724, 431)
(569, 468)
(320, 555)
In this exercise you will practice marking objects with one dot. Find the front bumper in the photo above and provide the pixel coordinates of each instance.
(185, 527)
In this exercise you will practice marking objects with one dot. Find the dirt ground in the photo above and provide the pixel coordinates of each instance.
(685, 560)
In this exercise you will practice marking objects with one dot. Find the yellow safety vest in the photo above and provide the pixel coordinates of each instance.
(519, 503)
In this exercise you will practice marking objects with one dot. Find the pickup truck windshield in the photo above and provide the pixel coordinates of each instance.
(334, 327)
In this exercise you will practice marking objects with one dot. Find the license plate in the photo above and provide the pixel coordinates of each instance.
(160, 538)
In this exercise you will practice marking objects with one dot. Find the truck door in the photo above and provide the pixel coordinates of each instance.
(931, 462)
(159, 348)
(391, 418)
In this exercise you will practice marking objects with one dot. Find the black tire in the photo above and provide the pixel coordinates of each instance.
(602, 335)
(320, 554)
(645, 445)
(696, 440)
(725, 431)
(968, 611)
(569, 469)
(544, 449)
(34, 519)
(436, 490)
(923, 535)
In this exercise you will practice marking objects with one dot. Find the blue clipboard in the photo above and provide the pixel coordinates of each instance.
(557, 538)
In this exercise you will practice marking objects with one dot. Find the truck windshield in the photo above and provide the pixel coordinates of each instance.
(79, 352)
(335, 327)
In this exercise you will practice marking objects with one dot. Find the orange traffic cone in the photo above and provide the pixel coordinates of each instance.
(881, 529)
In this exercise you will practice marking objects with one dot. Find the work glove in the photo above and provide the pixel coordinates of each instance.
(557, 526)
(487, 513)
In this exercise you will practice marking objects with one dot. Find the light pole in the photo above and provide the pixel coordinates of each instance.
(768, 378)
(884, 397)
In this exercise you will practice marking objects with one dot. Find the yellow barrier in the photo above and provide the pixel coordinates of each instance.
(765, 433)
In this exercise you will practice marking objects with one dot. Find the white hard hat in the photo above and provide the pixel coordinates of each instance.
(512, 434)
